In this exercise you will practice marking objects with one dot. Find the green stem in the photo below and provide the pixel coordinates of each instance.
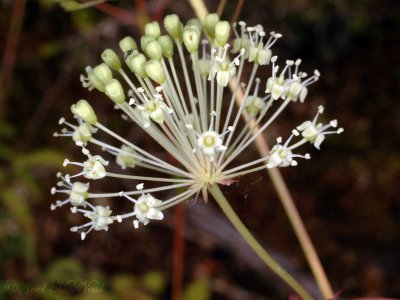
(254, 244)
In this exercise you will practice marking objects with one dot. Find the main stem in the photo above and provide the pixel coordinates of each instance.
(254, 244)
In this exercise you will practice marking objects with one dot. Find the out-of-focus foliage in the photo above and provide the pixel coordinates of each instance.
(198, 290)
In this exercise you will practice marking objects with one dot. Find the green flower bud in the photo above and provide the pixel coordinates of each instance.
(152, 29)
(114, 90)
(144, 40)
(153, 50)
(205, 67)
(70, 5)
(173, 26)
(253, 105)
(222, 31)
(241, 43)
(103, 73)
(264, 57)
(136, 64)
(111, 59)
(191, 38)
(194, 23)
(95, 82)
(155, 71)
(84, 110)
(126, 157)
(253, 52)
(260, 56)
(209, 24)
(127, 44)
(167, 46)
(82, 134)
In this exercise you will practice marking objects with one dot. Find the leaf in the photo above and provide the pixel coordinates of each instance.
(39, 158)
(63, 270)
(154, 281)
(17, 207)
(122, 284)
(198, 290)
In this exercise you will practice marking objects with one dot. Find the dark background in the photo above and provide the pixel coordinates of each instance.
(347, 193)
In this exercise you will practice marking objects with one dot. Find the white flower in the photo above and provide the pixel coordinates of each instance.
(81, 134)
(146, 209)
(282, 156)
(77, 193)
(126, 157)
(242, 39)
(221, 68)
(210, 142)
(152, 109)
(291, 88)
(258, 52)
(315, 133)
(255, 104)
(93, 167)
(99, 216)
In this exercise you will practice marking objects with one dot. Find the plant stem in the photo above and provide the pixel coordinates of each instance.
(178, 252)
(290, 208)
(298, 226)
(199, 8)
(254, 244)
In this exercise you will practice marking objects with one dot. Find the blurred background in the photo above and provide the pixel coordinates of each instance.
(347, 193)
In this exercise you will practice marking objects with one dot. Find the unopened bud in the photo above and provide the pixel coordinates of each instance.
(111, 59)
(114, 90)
(191, 38)
(210, 21)
(173, 26)
(155, 71)
(167, 46)
(144, 40)
(152, 29)
(127, 44)
(222, 31)
(195, 24)
(84, 110)
(103, 73)
(136, 64)
(153, 50)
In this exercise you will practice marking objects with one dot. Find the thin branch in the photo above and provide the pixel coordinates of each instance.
(238, 10)
(123, 15)
(221, 7)
(10, 51)
(178, 252)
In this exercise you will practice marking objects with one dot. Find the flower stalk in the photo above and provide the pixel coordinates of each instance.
(219, 197)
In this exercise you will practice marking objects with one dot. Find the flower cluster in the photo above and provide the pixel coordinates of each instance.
(194, 119)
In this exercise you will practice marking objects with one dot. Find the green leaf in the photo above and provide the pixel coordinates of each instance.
(39, 158)
(198, 290)
(154, 281)
(123, 284)
(17, 207)
(64, 269)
